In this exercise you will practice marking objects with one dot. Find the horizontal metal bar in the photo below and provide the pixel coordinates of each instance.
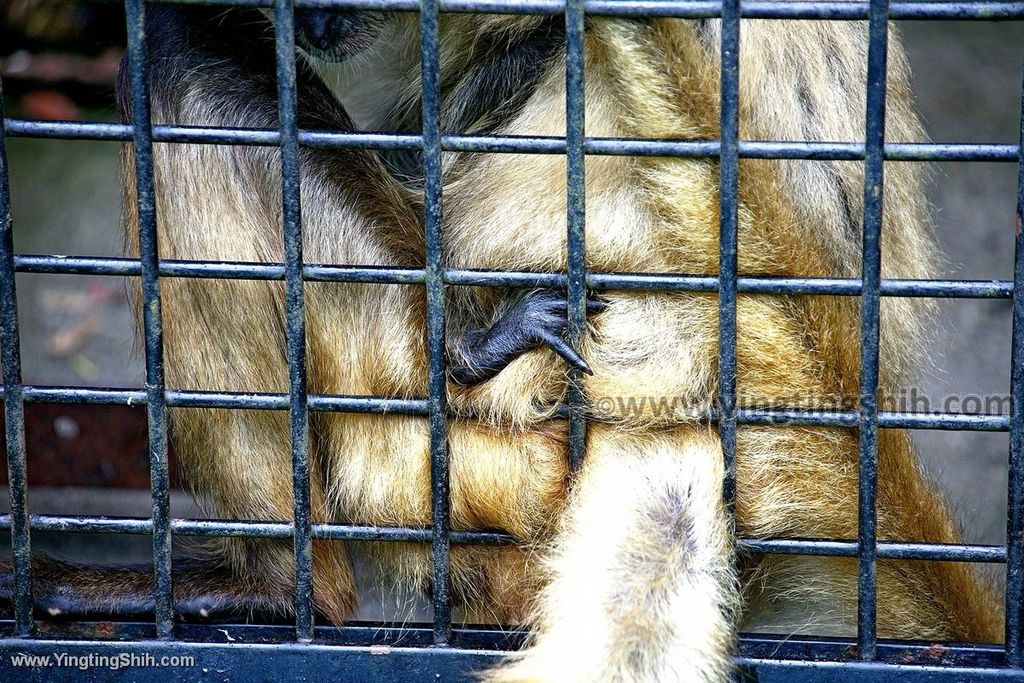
(509, 144)
(354, 532)
(968, 289)
(383, 652)
(968, 422)
(886, 549)
(683, 9)
(504, 278)
(799, 671)
(386, 652)
(502, 639)
(100, 265)
(178, 398)
(87, 396)
(956, 422)
(91, 524)
(233, 270)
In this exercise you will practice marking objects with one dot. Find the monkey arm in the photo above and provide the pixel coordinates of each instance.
(539, 319)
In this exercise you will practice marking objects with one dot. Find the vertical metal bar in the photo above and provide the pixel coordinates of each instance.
(575, 112)
(1015, 500)
(438, 400)
(295, 315)
(14, 407)
(874, 139)
(156, 409)
(728, 171)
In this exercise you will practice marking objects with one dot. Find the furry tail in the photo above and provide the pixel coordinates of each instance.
(204, 589)
(642, 586)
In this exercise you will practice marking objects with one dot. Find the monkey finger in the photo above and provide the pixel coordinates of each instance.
(561, 306)
(596, 304)
(554, 302)
(563, 349)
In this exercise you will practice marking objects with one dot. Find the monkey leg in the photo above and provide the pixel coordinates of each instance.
(538, 319)
(222, 203)
(641, 585)
(802, 482)
(204, 588)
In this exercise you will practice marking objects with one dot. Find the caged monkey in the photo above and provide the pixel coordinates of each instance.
(627, 565)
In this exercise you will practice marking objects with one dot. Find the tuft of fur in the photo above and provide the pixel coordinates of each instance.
(640, 583)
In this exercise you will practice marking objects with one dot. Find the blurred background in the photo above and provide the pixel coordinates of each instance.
(58, 60)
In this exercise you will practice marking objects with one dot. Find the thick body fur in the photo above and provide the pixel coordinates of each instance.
(628, 573)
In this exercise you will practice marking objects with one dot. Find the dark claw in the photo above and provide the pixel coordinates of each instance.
(539, 319)
(563, 349)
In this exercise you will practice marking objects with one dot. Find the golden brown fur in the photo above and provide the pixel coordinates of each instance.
(627, 576)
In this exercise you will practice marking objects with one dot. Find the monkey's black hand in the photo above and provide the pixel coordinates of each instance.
(539, 319)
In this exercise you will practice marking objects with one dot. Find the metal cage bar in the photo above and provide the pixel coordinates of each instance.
(465, 647)
(152, 321)
(14, 411)
(575, 132)
(178, 398)
(728, 236)
(295, 315)
(521, 144)
(434, 278)
(869, 314)
(897, 550)
(1015, 495)
(102, 265)
(680, 9)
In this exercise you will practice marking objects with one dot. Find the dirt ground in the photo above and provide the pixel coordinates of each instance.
(77, 330)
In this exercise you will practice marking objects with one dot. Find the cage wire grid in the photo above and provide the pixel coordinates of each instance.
(306, 649)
